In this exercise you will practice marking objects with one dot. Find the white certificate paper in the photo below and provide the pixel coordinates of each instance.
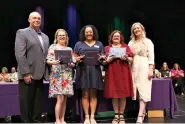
(118, 52)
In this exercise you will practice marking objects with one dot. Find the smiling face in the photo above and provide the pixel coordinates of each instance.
(4, 70)
(61, 38)
(176, 66)
(13, 70)
(116, 38)
(35, 20)
(165, 65)
(137, 30)
(89, 33)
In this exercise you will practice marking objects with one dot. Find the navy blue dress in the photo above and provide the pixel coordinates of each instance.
(88, 76)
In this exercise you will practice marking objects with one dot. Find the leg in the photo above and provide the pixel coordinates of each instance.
(26, 100)
(63, 109)
(38, 100)
(182, 89)
(142, 107)
(181, 84)
(85, 104)
(122, 105)
(115, 104)
(93, 104)
(58, 108)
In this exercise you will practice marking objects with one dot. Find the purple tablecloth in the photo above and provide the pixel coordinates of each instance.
(163, 96)
(9, 99)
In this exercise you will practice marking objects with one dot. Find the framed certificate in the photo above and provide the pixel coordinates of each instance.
(64, 56)
(91, 58)
(118, 52)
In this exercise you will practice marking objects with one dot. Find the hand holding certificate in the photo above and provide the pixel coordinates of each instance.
(102, 57)
(91, 58)
(64, 56)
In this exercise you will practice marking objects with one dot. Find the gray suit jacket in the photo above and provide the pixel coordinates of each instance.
(30, 55)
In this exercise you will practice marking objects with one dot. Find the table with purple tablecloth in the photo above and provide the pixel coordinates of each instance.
(163, 96)
(9, 99)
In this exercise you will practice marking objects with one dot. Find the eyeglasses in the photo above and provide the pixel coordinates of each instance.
(61, 35)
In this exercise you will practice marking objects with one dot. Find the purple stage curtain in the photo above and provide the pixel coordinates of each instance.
(72, 24)
(41, 12)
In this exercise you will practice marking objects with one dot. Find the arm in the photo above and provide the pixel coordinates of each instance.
(130, 59)
(108, 59)
(182, 73)
(150, 54)
(76, 53)
(20, 52)
(130, 55)
(170, 74)
(173, 73)
(51, 56)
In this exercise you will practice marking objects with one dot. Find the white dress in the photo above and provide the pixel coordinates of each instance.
(143, 56)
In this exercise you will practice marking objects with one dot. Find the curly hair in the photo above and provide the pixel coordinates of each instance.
(82, 33)
(111, 35)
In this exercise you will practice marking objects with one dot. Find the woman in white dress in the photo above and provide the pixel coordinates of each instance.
(142, 67)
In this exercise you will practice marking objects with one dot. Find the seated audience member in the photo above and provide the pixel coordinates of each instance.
(4, 76)
(156, 73)
(178, 79)
(165, 71)
(13, 75)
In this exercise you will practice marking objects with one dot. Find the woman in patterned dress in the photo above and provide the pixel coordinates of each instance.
(61, 78)
(142, 66)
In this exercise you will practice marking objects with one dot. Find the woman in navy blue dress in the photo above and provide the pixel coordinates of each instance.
(89, 77)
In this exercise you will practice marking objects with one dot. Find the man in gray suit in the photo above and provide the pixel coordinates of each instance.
(31, 47)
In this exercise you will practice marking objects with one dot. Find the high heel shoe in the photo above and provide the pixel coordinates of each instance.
(145, 116)
(139, 122)
(116, 119)
(93, 121)
(87, 121)
(121, 119)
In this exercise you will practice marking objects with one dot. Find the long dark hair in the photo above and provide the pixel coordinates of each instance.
(162, 68)
(178, 66)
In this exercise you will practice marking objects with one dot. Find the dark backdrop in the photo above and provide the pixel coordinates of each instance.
(163, 20)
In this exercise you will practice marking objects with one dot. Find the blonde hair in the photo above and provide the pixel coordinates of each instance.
(5, 69)
(56, 33)
(133, 37)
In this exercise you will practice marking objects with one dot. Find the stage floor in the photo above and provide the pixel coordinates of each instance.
(179, 116)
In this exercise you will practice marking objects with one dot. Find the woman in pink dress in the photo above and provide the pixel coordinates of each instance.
(178, 79)
(118, 78)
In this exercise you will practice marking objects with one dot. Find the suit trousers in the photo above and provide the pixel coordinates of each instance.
(31, 100)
